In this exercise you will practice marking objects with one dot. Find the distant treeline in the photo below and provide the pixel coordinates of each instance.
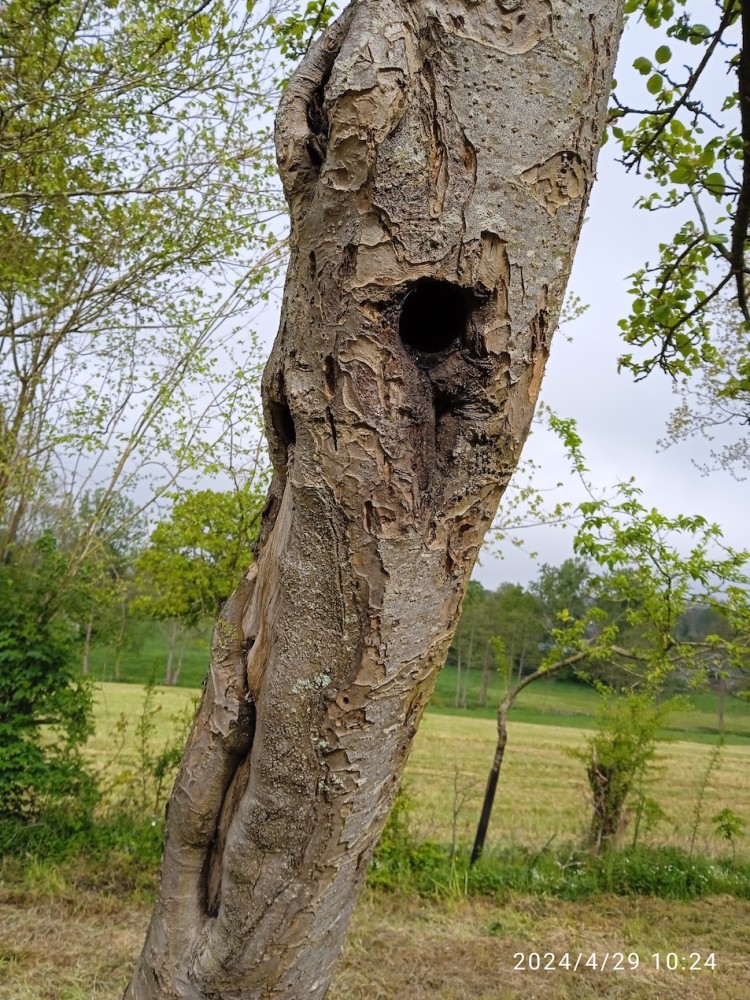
(510, 630)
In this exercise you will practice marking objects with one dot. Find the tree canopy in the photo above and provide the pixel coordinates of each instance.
(136, 211)
(690, 139)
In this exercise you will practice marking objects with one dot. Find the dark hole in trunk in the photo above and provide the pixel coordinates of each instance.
(317, 120)
(433, 316)
(283, 423)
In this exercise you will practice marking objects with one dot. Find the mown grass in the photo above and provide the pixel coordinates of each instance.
(542, 796)
(70, 944)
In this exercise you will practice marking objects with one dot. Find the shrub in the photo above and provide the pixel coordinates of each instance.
(45, 706)
(401, 862)
(617, 758)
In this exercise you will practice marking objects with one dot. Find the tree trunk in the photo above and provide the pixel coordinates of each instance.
(522, 658)
(120, 641)
(722, 699)
(463, 694)
(178, 669)
(85, 666)
(457, 697)
(492, 780)
(609, 793)
(502, 738)
(485, 675)
(437, 159)
(174, 630)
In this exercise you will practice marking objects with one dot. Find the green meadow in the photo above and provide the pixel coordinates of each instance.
(560, 703)
(542, 795)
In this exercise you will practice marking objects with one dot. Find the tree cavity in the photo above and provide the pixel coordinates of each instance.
(434, 316)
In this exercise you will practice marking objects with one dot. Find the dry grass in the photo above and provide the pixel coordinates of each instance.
(542, 792)
(82, 946)
(420, 951)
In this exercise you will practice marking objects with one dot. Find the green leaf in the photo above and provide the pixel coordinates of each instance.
(663, 54)
(643, 65)
(683, 173)
(699, 33)
(655, 83)
(715, 184)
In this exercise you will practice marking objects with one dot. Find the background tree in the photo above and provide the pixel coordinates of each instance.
(103, 579)
(519, 623)
(710, 627)
(715, 401)
(134, 156)
(510, 616)
(468, 650)
(186, 572)
(562, 590)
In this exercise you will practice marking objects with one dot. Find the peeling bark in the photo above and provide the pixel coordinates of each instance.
(437, 159)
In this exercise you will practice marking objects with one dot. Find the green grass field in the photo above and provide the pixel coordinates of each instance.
(554, 703)
(542, 796)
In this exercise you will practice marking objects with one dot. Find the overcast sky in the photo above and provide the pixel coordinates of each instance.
(620, 421)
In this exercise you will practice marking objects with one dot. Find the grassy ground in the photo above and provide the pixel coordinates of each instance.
(542, 795)
(559, 703)
(61, 940)
(77, 945)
